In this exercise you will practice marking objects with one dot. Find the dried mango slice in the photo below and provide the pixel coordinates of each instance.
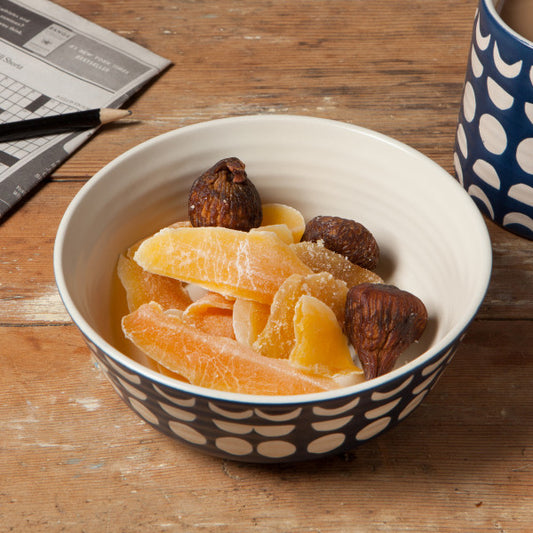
(249, 320)
(130, 252)
(320, 259)
(275, 213)
(213, 314)
(320, 344)
(143, 287)
(166, 372)
(281, 230)
(234, 263)
(277, 338)
(215, 362)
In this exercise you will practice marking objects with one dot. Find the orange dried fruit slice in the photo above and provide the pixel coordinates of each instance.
(130, 252)
(249, 320)
(211, 300)
(275, 213)
(143, 287)
(277, 338)
(166, 372)
(320, 344)
(249, 265)
(213, 314)
(214, 362)
(320, 259)
(281, 230)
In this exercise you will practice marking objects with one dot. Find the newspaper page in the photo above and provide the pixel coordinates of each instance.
(53, 62)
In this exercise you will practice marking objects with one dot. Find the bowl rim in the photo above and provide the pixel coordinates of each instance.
(92, 336)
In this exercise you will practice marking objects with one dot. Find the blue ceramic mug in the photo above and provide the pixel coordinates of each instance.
(493, 154)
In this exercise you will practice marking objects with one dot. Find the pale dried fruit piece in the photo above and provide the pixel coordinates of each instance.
(224, 196)
(281, 230)
(181, 224)
(214, 362)
(130, 252)
(320, 344)
(320, 259)
(213, 314)
(275, 213)
(277, 338)
(233, 263)
(249, 320)
(346, 237)
(381, 321)
(143, 287)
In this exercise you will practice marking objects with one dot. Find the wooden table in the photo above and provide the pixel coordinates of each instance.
(73, 457)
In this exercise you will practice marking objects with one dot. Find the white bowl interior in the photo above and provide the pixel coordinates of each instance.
(433, 240)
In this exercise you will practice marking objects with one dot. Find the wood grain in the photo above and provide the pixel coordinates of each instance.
(73, 457)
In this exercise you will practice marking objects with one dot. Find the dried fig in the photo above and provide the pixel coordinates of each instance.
(381, 321)
(345, 237)
(224, 196)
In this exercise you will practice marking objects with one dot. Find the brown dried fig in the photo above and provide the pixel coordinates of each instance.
(224, 196)
(381, 321)
(345, 237)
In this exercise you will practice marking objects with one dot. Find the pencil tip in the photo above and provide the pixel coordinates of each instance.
(110, 115)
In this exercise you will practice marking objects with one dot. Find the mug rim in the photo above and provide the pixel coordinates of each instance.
(490, 6)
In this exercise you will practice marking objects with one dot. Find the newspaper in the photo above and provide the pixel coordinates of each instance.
(52, 62)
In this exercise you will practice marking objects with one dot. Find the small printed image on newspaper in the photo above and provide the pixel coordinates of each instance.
(53, 62)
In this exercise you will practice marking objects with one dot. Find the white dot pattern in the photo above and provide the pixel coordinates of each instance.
(274, 433)
(493, 158)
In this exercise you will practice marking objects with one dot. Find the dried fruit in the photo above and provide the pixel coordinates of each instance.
(381, 321)
(224, 196)
(275, 213)
(249, 320)
(346, 237)
(233, 263)
(212, 361)
(320, 259)
(281, 230)
(143, 287)
(277, 338)
(212, 314)
(320, 345)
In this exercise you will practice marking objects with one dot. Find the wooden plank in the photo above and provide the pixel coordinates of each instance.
(352, 61)
(464, 457)
(28, 292)
(74, 457)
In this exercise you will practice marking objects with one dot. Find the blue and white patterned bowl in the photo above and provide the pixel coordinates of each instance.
(494, 142)
(433, 240)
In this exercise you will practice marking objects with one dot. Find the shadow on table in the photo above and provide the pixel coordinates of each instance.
(478, 414)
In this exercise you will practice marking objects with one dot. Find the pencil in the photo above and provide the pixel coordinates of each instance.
(79, 120)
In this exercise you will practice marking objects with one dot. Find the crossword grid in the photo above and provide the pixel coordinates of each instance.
(20, 102)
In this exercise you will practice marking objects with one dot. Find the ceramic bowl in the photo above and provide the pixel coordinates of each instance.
(434, 243)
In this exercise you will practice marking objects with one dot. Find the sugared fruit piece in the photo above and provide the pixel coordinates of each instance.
(234, 263)
(214, 362)
(249, 320)
(320, 259)
(320, 344)
(275, 213)
(277, 338)
(281, 230)
(143, 287)
(213, 314)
